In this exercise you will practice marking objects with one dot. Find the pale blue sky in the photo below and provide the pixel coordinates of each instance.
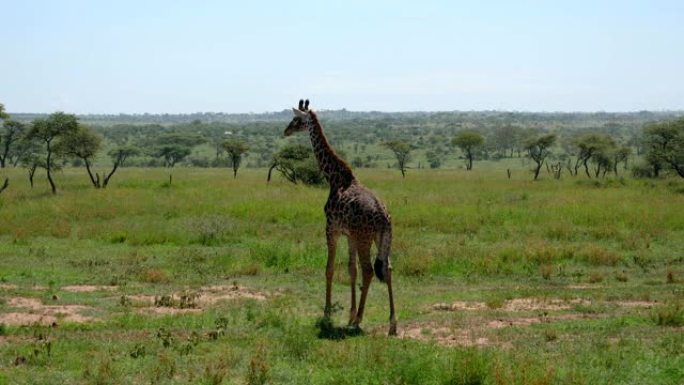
(255, 56)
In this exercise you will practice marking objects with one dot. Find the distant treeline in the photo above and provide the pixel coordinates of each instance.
(591, 143)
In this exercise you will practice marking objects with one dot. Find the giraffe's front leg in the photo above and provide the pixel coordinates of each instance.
(352, 280)
(331, 238)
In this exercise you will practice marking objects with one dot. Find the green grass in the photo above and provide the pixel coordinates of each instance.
(611, 251)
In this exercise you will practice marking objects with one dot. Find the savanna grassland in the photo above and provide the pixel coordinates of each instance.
(211, 280)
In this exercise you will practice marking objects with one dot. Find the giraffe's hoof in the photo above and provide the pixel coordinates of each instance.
(392, 330)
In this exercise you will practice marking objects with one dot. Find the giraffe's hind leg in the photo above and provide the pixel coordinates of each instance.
(363, 248)
(352, 280)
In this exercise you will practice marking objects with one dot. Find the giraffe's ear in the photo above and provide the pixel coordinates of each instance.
(299, 113)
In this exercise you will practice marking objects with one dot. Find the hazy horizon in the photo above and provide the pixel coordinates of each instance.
(179, 58)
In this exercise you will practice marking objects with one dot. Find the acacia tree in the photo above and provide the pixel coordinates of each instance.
(664, 144)
(621, 155)
(48, 131)
(174, 147)
(119, 156)
(402, 151)
(235, 149)
(538, 148)
(594, 147)
(468, 141)
(83, 143)
(11, 134)
(297, 163)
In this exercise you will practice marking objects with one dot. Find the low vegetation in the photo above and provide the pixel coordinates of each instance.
(215, 280)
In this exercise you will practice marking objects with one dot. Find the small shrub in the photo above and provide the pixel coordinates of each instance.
(546, 270)
(642, 170)
(211, 229)
(154, 276)
(471, 369)
(550, 335)
(598, 256)
(495, 303)
(104, 374)
(164, 369)
(214, 373)
(621, 277)
(138, 351)
(670, 277)
(250, 269)
(595, 277)
(669, 315)
(165, 337)
(258, 370)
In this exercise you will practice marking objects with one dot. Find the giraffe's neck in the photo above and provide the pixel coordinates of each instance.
(336, 171)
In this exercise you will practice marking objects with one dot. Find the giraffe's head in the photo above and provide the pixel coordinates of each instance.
(301, 115)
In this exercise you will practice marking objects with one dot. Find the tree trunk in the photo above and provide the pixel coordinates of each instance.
(536, 171)
(235, 172)
(586, 169)
(48, 166)
(32, 172)
(109, 176)
(4, 185)
(680, 171)
(268, 179)
(96, 182)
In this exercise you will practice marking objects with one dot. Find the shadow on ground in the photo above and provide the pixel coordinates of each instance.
(327, 330)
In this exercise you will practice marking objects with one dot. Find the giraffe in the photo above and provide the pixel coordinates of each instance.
(351, 210)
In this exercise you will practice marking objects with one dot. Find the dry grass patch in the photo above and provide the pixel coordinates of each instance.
(35, 312)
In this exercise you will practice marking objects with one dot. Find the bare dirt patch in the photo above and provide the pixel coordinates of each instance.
(88, 288)
(515, 305)
(210, 295)
(193, 301)
(643, 304)
(169, 310)
(443, 335)
(8, 286)
(534, 304)
(34, 311)
(460, 305)
(474, 334)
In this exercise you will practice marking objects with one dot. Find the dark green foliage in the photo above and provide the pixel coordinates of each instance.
(297, 163)
(468, 141)
(538, 149)
(664, 144)
(175, 146)
(10, 136)
(402, 151)
(48, 131)
(236, 149)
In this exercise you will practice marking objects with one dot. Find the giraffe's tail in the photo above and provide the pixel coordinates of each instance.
(382, 261)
